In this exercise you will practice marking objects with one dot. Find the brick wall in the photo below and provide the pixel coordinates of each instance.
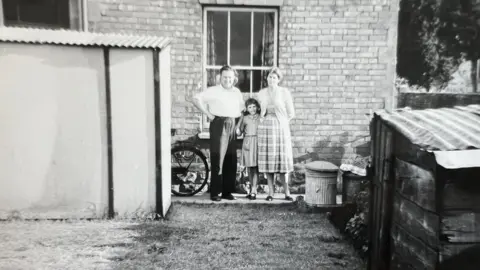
(338, 57)
(180, 20)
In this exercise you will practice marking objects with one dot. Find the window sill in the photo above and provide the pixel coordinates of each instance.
(243, 2)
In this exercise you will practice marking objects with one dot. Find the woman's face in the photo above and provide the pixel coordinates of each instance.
(273, 79)
(252, 109)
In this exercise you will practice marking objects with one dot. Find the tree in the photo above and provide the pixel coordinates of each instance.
(460, 31)
(423, 59)
(434, 38)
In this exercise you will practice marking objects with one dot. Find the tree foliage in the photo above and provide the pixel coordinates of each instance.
(434, 37)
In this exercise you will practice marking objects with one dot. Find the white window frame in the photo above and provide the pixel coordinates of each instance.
(205, 123)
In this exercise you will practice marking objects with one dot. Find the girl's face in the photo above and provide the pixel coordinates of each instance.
(273, 79)
(252, 109)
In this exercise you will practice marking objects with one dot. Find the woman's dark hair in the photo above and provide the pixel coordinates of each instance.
(251, 101)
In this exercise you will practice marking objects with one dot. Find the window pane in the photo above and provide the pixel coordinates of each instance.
(244, 80)
(217, 23)
(10, 10)
(263, 39)
(212, 77)
(259, 80)
(47, 13)
(240, 38)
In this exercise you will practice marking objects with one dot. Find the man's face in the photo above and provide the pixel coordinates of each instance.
(227, 79)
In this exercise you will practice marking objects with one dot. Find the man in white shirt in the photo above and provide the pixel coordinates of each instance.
(222, 104)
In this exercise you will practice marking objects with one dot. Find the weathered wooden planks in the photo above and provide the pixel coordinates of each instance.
(376, 190)
(449, 250)
(421, 213)
(420, 223)
(408, 250)
(461, 227)
(406, 151)
(416, 184)
(467, 259)
(462, 189)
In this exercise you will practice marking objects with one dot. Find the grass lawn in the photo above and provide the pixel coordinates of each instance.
(192, 237)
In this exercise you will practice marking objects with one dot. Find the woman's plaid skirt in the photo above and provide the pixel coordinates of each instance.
(274, 146)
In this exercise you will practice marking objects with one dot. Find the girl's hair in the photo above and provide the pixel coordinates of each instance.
(251, 101)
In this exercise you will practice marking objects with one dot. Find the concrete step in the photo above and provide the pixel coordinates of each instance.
(204, 198)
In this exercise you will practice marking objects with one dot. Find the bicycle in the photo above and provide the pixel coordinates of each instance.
(190, 167)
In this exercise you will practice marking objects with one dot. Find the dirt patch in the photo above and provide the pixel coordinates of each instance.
(193, 237)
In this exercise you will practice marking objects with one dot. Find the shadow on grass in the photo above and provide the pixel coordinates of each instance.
(154, 232)
(233, 237)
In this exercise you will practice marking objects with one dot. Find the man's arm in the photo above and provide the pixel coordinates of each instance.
(241, 102)
(240, 126)
(198, 102)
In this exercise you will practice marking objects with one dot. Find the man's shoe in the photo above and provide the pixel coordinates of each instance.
(229, 197)
(215, 198)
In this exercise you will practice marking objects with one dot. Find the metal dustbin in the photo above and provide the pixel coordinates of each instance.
(352, 184)
(321, 183)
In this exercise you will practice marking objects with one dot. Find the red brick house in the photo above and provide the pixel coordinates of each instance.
(338, 55)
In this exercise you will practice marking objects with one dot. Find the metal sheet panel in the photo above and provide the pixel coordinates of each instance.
(68, 37)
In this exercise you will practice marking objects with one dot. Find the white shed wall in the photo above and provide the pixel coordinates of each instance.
(53, 155)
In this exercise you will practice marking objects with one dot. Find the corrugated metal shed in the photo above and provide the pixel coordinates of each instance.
(441, 129)
(452, 134)
(67, 37)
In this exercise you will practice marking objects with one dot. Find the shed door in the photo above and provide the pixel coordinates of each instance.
(163, 118)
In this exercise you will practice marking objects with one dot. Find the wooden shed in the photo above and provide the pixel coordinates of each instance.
(425, 204)
(85, 119)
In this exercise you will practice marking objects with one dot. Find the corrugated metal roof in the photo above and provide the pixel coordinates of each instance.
(443, 129)
(68, 37)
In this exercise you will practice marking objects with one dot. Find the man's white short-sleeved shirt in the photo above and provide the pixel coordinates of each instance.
(222, 102)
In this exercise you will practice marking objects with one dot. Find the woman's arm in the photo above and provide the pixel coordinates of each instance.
(289, 105)
(263, 102)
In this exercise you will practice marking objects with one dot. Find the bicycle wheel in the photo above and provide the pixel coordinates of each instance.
(190, 170)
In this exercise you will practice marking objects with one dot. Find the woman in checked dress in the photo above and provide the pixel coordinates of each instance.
(274, 139)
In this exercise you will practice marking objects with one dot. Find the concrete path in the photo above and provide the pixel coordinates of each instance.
(205, 199)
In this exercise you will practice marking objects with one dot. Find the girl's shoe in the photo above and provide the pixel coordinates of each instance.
(253, 196)
(249, 196)
(269, 198)
(288, 198)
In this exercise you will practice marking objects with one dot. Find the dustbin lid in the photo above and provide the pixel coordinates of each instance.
(353, 175)
(322, 166)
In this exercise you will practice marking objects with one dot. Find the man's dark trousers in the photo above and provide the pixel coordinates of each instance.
(223, 156)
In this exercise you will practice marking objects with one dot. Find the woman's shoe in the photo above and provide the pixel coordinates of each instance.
(253, 196)
(269, 198)
(249, 196)
(288, 198)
